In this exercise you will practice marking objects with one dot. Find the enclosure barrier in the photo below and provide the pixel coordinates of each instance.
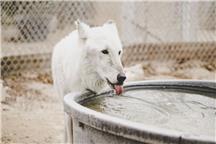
(133, 54)
(148, 30)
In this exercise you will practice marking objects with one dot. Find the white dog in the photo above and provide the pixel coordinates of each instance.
(89, 58)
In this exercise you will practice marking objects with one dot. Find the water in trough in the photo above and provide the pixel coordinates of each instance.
(189, 113)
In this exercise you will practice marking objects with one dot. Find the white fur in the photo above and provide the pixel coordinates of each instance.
(78, 63)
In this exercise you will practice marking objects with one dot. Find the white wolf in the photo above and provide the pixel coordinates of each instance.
(89, 58)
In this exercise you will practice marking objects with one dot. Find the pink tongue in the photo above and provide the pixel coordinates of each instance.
(119, 89)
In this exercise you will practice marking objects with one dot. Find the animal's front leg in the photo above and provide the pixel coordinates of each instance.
(68, 137)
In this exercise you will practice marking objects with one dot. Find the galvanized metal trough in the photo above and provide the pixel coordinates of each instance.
(92, 127)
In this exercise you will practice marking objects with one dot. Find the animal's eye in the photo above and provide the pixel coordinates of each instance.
(105, 51)
(119, 52)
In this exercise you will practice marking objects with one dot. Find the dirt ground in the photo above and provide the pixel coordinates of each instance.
(33, 113)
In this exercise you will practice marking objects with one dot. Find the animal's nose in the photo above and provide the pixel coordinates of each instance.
(121, 78)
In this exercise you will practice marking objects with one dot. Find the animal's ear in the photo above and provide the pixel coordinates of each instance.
(83, 29)
(110, 24)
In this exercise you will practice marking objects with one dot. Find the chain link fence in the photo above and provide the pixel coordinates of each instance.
(161, 31)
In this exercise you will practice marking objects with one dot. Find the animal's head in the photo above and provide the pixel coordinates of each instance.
(103, 52)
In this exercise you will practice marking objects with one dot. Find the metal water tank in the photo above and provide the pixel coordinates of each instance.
(179, 112)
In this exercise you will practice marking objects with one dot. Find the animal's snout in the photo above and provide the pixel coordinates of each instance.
(121, 78)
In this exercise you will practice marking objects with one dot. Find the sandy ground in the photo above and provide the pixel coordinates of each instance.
(33, 113)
